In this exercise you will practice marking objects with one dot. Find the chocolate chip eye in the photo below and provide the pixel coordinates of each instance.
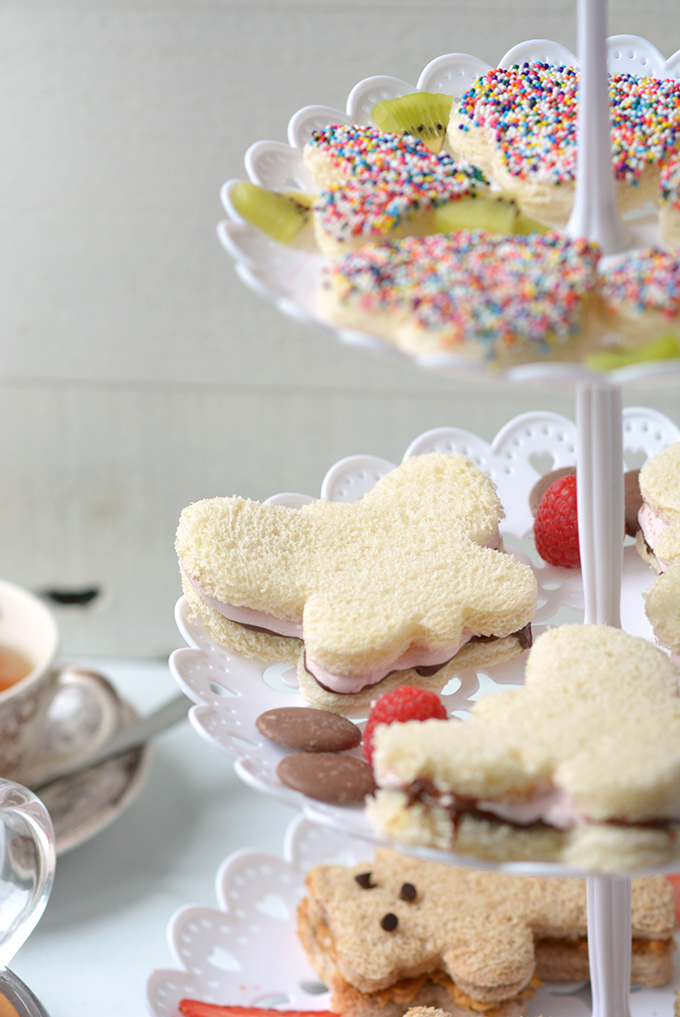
(389, 922)
(408, 891)
(364, 880)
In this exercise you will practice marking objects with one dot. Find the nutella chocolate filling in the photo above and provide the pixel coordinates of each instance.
(524, 636)
(458, 806)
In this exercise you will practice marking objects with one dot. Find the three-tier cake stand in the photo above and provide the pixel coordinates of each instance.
(223, 686)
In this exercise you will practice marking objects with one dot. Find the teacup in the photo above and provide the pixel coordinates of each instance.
(28, 706)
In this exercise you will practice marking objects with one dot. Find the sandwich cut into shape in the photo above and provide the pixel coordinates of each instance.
(581, 765)
(482, 296)
(461, 939)
(519, 125)
(377, 184)
(388, 590)
(658, 542)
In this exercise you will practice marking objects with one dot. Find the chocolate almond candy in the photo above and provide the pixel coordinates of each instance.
(308, 730)
(544, 482)
(327, 776)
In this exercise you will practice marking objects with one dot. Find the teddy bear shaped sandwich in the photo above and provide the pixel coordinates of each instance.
(401, 932)
(658, 542)
(404, 586)
(581, 765)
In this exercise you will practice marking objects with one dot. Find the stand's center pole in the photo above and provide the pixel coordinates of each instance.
(595, 214)
(600, 495)
(609, 944)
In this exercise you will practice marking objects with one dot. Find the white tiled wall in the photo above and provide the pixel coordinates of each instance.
(136, 373)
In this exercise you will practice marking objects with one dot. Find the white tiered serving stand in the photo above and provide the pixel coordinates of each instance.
(223, 684)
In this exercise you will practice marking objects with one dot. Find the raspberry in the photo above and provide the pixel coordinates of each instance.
(404, 703)
(556, 525)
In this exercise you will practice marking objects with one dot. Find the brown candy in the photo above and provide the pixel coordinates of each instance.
(408, 891)
(365, 880)
(308, 730)
(327, 776)
(544, 482)
(389, 922)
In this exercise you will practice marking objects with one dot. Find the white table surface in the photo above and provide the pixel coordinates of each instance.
(104, 928)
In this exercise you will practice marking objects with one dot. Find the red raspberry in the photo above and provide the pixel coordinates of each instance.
(404, 703)
(556, 525)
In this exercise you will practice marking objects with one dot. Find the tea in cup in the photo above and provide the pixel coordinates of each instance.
(14, 665)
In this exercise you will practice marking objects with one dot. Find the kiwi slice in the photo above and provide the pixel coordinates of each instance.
(280, 215)
(608, 360)
(425, 115)
(494, 214)
(524, 224)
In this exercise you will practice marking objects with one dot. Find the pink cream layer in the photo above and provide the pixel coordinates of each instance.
(414, 656)
(545, 803)
(550, 805)
(652, 525)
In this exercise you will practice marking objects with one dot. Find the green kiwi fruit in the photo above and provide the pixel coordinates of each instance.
(280, 215)
(667, 348)
(524, 224)
(425, 115)
(491, 213)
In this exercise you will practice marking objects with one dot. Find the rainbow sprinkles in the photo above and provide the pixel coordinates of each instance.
(487, 296)
(376, 183)
(519, 125)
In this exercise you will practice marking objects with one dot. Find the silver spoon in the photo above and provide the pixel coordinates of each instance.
(132, 736)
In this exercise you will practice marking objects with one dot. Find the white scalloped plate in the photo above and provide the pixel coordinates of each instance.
(289, 276)
(220, 951)
(231, 691)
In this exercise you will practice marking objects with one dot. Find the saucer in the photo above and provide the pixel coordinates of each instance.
(84, 803)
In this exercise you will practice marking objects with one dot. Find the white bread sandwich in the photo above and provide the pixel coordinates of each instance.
(581, 765)
(659, 543)
(378, 184)
(640, 292)
(669, 203)
(659, 517)
(401, 932)
(519, 125)
(391, 589)
(489, 298)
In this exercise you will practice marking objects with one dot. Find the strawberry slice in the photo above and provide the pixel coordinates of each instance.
(194, 1008)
